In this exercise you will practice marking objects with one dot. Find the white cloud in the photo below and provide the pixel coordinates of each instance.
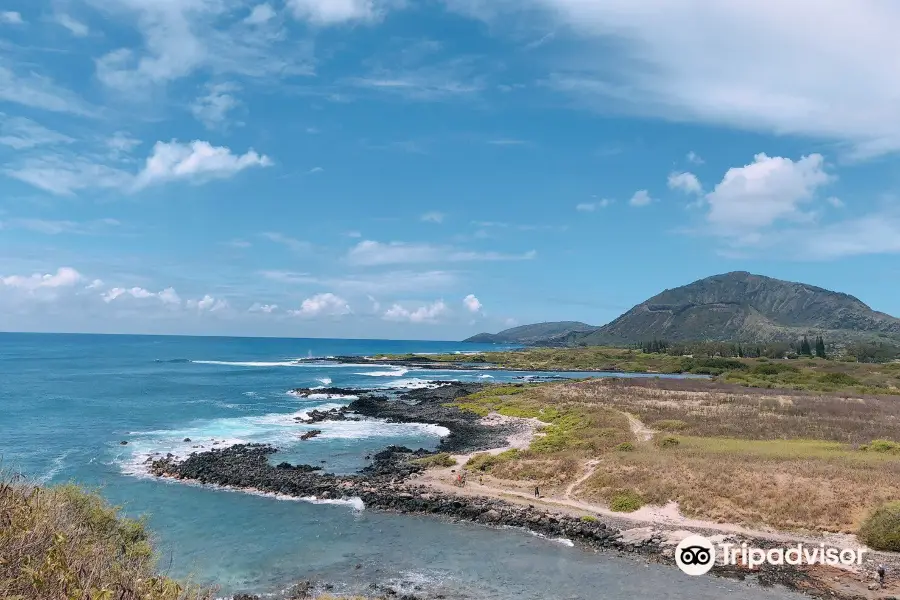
(592, 206)
(185, 36)
(694, 158)
(430, 313)
(64, 174)
(75, 27)
(11, 17)
(195, 161)
(36, 91)
(315, 170)
(335, 12)
(371, 253)
(767, 190)
(212, 109)
(64, 277)
(261, 13)
(685, 182)
(371, 283)
(286, 240)
(167, 296)
(56, 227)
(323, 305)
(472, 303)
(376, 305)
(263, 308)
(640, 198)
(121, 143)
(20, 133)
(433, 217)
(94, 285)
(208, 304)
(835, 201)
(703, 61)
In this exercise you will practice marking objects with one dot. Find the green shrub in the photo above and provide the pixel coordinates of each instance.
(484, 461)
(881, 529)
(625, 447)
(839, 379)
(667, 441)
(436, 461)
(774, 369)
(884, 446)
(625, 501)
(589, 519)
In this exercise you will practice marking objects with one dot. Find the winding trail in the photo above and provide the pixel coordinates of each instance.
(640, 431)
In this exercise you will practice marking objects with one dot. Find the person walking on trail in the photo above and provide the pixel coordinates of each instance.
(880, 572)
(537, 492)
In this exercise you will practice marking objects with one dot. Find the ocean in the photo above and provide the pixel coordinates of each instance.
(67, 402)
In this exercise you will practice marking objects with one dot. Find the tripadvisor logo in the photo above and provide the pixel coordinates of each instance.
(696, 555)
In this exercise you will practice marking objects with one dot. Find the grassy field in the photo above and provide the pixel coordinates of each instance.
(798, 374)
(789, 459)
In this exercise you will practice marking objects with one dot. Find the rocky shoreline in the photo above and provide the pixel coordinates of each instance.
(389, 483)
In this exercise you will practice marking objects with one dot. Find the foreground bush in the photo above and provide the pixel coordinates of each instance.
(881, 529)
(62, 543)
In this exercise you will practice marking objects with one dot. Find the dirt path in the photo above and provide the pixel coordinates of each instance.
(640, 431)
(590, 469)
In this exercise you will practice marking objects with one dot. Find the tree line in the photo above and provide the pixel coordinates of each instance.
(803, 347)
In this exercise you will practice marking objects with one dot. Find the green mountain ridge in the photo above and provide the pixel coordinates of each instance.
(530, 334)
(737, 306)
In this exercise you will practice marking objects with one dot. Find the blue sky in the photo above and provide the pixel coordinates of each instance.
(430, 169)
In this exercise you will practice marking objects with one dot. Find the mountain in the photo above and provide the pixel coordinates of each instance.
(530, 334)
(739, 306)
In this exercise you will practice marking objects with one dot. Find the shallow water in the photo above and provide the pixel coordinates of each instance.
(66, 403)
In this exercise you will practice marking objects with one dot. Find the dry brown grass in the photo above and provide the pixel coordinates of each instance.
(781, 458)
(62, 543)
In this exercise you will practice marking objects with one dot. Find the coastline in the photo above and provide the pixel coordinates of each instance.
(394, 482)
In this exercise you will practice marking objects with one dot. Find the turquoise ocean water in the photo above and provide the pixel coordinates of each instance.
(68, 401)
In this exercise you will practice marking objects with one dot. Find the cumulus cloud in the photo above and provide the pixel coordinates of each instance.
(208, 304)
(640, 198)
(472, 303)
(323, 305)
(197, 160)
(694, 158)
(371, 253)
(212, 108)
(64, 277)
(767, 190)
(167, 296)
(433, 217)
(685, 182)
(430, 313)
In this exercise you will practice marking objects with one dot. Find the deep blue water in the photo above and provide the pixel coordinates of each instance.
(68, 401)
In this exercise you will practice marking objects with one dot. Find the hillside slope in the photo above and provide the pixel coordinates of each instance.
(743, 306)
(529, 334)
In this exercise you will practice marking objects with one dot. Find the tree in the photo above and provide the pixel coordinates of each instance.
(820, 347)
(805, 349)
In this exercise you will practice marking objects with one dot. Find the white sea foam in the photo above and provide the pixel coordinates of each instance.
(414, 383)
(563, 541)
(394, 372)
(57, 466)
(485, 377)
(280, 363)
(281, 430)
(315, 396)
(324, 380)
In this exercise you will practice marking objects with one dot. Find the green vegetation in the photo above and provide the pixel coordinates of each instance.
(589, 519)
(670, 425)
(882, 446)
(484, 461)
(625, 501)
(881, 529)
(625, 447)
(436, 461)
(63, 543)
(667, 441)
